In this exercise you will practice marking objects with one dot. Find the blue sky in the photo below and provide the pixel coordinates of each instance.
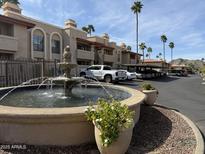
(183, 21)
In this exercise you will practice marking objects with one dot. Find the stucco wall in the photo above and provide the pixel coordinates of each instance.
(47, 28)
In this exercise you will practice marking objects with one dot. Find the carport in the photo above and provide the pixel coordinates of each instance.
(147, 71)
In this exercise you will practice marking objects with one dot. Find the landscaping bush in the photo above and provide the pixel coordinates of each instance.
(110, 117)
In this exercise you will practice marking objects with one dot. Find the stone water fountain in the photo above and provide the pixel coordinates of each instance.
(33, 116)
(68, 81)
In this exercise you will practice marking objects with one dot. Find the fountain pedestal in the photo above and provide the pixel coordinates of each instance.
(67, 66)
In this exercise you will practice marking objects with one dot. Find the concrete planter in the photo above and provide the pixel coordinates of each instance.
(120, 146)
(151, 96)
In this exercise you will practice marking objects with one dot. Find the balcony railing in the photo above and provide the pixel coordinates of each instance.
(83, 54)
(8, 43)
(108, 58)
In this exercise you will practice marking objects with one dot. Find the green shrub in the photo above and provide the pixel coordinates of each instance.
(203, 70)
(110, 117)
(147, 86)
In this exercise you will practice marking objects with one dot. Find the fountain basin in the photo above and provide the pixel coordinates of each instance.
(54, 126)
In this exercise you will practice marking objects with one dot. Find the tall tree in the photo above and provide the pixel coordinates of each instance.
(160, 55)
(136, 8)
(157, 56)
(85, 29)
(11, 1)
(164, 40)
(91, 29)
(129, 48)
(143, 47)
(149, 50)
(171, 45)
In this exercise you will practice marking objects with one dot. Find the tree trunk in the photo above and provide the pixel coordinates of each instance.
(171, 54)
(143, 55)
(137, 48)
(164, 50)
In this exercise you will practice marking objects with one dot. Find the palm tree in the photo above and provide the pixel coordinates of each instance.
(142, 47)
(160, 55)
(136, 8)
(164, 40)
(147, 55)
(149, 50)
(171, 45)
(85, 29)
(11, 1)
(91, 29)
(88, 29)
(129, 48)
(157, 56)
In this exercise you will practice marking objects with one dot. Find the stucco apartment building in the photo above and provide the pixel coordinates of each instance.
(22, 37)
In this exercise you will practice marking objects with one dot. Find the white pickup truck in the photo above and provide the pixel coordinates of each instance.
(104, 72)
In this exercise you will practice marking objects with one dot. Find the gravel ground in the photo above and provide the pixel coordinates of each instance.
(159, 131)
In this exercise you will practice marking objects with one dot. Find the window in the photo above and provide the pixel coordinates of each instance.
(81, 46)
(38, 43)
(56, 46)
(81, 62)
(108, 52)
(94, 68)
(6, 29)
(106, 68)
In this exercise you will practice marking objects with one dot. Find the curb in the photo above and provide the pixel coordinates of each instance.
(197, 133)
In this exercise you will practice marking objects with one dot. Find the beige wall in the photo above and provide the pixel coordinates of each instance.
(23, 41)
(48, 29)
(73, 34)
(125, 58)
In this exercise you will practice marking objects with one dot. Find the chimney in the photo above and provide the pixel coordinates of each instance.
(10, 7)
(123, 45)
(70, 24)
(106, 36)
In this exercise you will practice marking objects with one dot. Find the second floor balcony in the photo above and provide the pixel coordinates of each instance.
(8, 43)
(83, 54)
(108, 58)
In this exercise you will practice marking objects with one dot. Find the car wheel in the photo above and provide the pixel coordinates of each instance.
(108, 78)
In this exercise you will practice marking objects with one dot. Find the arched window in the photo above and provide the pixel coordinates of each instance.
(38, 40)
(56, 44)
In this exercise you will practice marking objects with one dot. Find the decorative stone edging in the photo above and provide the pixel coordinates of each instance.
(197, 133)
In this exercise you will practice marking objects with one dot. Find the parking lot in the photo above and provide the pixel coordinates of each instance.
(185, 94)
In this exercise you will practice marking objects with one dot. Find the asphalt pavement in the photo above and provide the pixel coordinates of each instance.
(185, 94)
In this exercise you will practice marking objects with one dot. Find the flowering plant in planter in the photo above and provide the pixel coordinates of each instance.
(151, 93)
(147, 86)
(110, 117)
